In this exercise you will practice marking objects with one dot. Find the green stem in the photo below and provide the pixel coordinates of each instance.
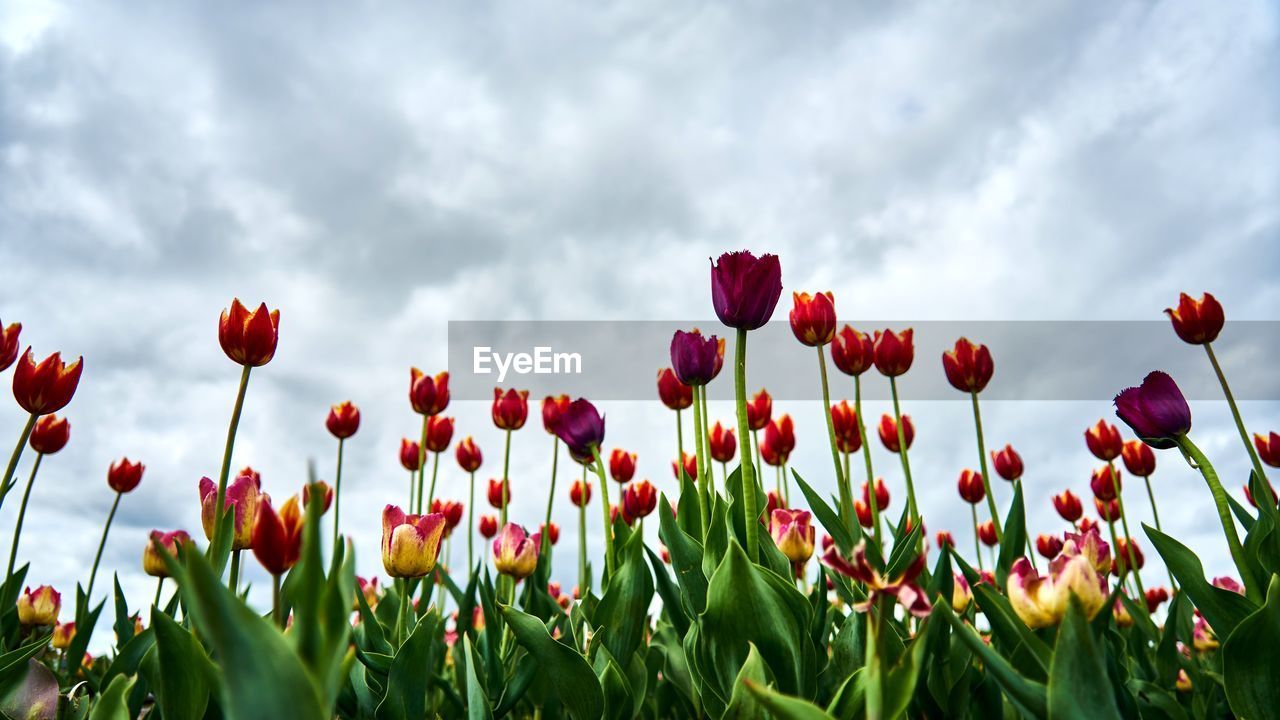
(22, 513)
(506, 468)
(234, 583)
(155, 604)
(1155, 514)
(977, 541)
(337, 495)
(402, 590)
(275, 601)
(604, 508)
(415, 502)
(582, 539)
(93, 574)
(1252, 589)
(902, 452)
(875, 671)
(679, 446)
(471, 524)
(1031, 549)
(866, 455)
(755, 442)
(545, 550)
(1115, 548)
(220, 505)
(17, 453)
(842, 479)
(748, 474)
(986, 476)
(706, 442)
(435, 469)
(413, 477)
(1235, 413)
(700, 454)
(1128, 544)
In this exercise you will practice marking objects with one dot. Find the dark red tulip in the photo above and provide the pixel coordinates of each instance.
(1068, 506)
(695, 358)
(326, 492)
(410, 455)
(581, 428)
(622, 465)
(1049, 546)
(759, 410)
(552, 533)
(773, 501)
(1268, 448)
(499, 492)
(945, 540)
(468, 455)
(252, 474)
(1008, 463)
(510, 408)
(9, 344)
(552, 408)
(619, 510)
(1108, 510)
(277, 539)
(673, 393)
(987, 534)
(46, 387)
(724, 444)
(1087, 525)
(639, 499)
(971, 488)
(690, 467)
(1105, 484)
(422, 392)
(882, 494)
(1120, 560)
(968, 366)
(1196, 321)
(894, 352)
(844, 420)
(852, 351)
(1156, 411)
(745, 289)
(439, 433)
(863, 511)
(779, 440)
(488, 526)
(1139, 458)
(249, 338)
(813, 318)
(50, 434)
(1156, 597)
(343, 420)
(452, 512)
(889, 432)
(580, 493)
(123, 475)
(1104, 441)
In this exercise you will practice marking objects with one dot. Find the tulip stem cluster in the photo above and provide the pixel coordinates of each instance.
(220, 503)
(748, 471)
(1202, 464)
(1235, 414)
(22, 513)
(1129, 548)
(416, 504)
(17, 453)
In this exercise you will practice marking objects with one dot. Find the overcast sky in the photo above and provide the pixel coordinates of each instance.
(376, 170)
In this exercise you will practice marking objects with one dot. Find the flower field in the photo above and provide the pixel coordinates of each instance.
(738, 591)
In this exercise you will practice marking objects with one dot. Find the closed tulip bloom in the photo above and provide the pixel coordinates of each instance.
(689, 463)
(882, 494)
(63, 634)
(153, 562)
(277, 538)
(553, 536)
(369, 589)
(488, 526)
(724, 444)
(971, 488)
(759, 410)
(249, 338)
(968, 366)
(510, 408)
(1202, 636)
(1268, 448)
(50, 434)
(252, 474)
(745, 289)
(888, 430)
(326, 495)
(944, 539)
(639, 499)
(1121, 613)
(1105, 484)
(1042, 601)
(673, 393)
(894, 352)
(1225, 582)
(1104, 441)
(45, 387)
(410, 543)
(581, 428)
(343, 420)
(696, 359)
(9, 344)
(863, 511)
(242, 500)
(961, 594)
(813, 318)
(515, 552)
(1008, 463)
(1248, 494)
(1156, 597)
(439, 433)
(1087, 524)
(792, 532)
(1068, 506)
(579, 493)
(499, 493)
(469, 456)
(410, 455)
(1196, 321)
(1139, 458)
(852, 352)
(422, 392)
(844, 420)
(779, 440)
(1156, 411)
(451, 510)
(1108, 510)
(1120, 561)
(39, 606)
(1048, 546)
(622, 465)
(553, 406)
(987, 533)
(773, 501)
(124, 475)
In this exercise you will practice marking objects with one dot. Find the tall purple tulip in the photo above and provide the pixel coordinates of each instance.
(745, 289)
(695, 358)
(1156, 410)
(581, 428)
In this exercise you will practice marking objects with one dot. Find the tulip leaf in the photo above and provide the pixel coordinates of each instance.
(113, 704)
(742, 702)
(181, 673)
(406, 695)
(1013, 541)
(15, 661)
(686, 560)
(573, 679)
(1012, 633)
(1222, 609)
(829, 518)
(1248, 659)
(477, 701)
(86, 620)
(1078, 684)
(124, 621)
(1028, 696)
(624, 607)
(669, 592)
(785, 707)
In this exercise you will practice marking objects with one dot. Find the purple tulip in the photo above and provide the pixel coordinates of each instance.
(581, 428)
(696, 359)
(1156, 410)
(745, 289)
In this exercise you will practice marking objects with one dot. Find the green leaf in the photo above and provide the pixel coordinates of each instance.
(183, 675)
(686, 560)
(1013, 541)
(477, 701)
(406, 696)
(785, 707)
(1009, 628)
(573, 679)
(742, 703)
(669, 592)
(1078, 684)
(1222, 609)
(124, 621)
(1029, 696)
(624, 607)
(113, 703)
(1248, 659)
(829, 518)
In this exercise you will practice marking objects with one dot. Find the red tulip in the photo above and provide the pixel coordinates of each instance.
(277, 539)
(510, 408)
(987, 533)
(673, 393)
(773, 501)
(622, 465)
(779, 440)
(1139, 458)
(724, 444)
(852, 351)
(863, 511)
(1049, 546)
(552, 408)
(123, 476)
(468, 455)
(47, 387)
(617, 511)
(1120, 561)
(1156, 597)
(410, 455)
(452, 512)
(343, 420)
(1068, 506)
(252, 474)
(1105, 484)
(1008, 463)
(1108, 510)
(249, 338)
(945, 540)
(499, 493)
(326, 493)
(552, 532)
(690, 467)
(894, 352)
(639, 499)
(9, 344)
(439, 433)
(580, 493)
(745, 289)
(1104, 441)
(1196, 321)
(1268, 447)
(968, 366)
(1087, 525)
(428, 395)
(844, 420)
(889, 432)
(759, 410)
(50, 434)
(971, 488)
(488, 526)
(813, 318)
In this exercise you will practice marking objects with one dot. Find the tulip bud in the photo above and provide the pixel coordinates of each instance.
(552, 533)
(9, 344)
(242, 500)
(673, 393)
(63, 634)
(277, 538)
(1156, 410)
(852, 351)
(579, 494)
(862, 509)
(1068, 506)
(499, 493)
(1121, 613)
(639, 499)
(690, 466)
(1008, 463)
(552, 408)
(745, 289)
(971, 488)
(944, 539)
(1104, 441)
(1105, 484)
(1108, 510)
(1268, 447)
(488, 526)
(844, 420)
(889, 432)
(515, 553)
(249, 338)
(893, 352)
(961, 594)
(1183, 682)
(1196, 321)
(622, 465)
(343, 420)
(813, 318)
(987, 533)
(424, 392)
(724, 444)
(410, 455)
(39, 606)
(452, 512)
(47, 387)
(1139, 458)
(968, 366)
(1048, 546)
(123, 476)
(581, 428)
(153, 562)
(439, 433)
(1248, 494)
(50, 434)
(469, 456)
(369, 589)
(410, 543)
(1156, 597)
(695, 359)
(779, 440)
(882, 494)
(759, 410)
(792, 532)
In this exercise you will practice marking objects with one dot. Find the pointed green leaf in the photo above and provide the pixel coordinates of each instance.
(1078, 684)
(1248, 659)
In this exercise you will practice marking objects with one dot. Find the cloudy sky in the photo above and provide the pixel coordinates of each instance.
(375, 170)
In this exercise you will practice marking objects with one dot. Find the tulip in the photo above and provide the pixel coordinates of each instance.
(852, 351)
(580, 493)
(39, 606)
(40, 389)
(882, 495)
(123, 476)
(773, 501)
(50, 434)
(1228, 583)
(153, 562)
(452, 512)
(369, 589)
(1087, 525)
(428, 395)
(63, 634)
(893, 352)
(1138, 457)
(1108, 510)
(510, 408)
(688, 463)
(759, 410)
(1124, 548)
(439, 433)
(515, 553)
(944, 539)
(1104, 441)
(724, 445)
(551, 532)
(1203, 637)
(779, 440)
(745, 289)
(792, 533)
(9, 344)
(552, 408)
(862, 511)
(1048, 546)
(844, 419)
(1156, 411)
(1042, 601)
(582, 430)
(673, 393)
(277, 538)
(1008, 463)
(696, 359)
(468, 455)
(249, 338)
(961, 594)
(987, 533)
(1121, 613)
(1268, 447)
(622, 465)
(813, 318)
(410, 543)
(639, 499)
(971, 487)
(889, 435)
(1156, 597)
(1197, 322)
(1105, 483)
(1248, 494)
(488, 526)
(1068, 506)
(242, 499)
(903, 588)
(968, 366)
(343, 420)
(499, 493)
(1183, 682)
